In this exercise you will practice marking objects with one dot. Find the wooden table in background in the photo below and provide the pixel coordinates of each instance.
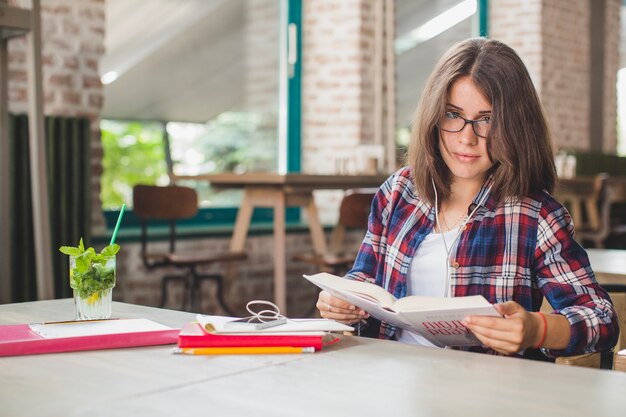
(578, 192)
(355, 377)
(279, 192)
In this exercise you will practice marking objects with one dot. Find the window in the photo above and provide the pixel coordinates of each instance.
(133, 154)
(232, 142)
(425, 29)
(216, 74)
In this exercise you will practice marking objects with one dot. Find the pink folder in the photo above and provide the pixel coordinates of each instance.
(19, 339)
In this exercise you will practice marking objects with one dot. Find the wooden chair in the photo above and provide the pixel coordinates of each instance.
(172, 203)
(613, 192)
(353, 213)
(582, 194)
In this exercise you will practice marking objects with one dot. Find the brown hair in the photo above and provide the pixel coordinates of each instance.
(519, 141)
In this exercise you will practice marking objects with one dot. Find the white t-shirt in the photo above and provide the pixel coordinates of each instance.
(427, 275)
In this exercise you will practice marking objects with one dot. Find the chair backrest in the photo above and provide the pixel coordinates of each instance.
(355, 207)
(171, 203)
(354, 212)
(613, 192)
(151, 202)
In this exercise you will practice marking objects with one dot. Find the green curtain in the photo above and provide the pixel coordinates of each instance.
(68, 150)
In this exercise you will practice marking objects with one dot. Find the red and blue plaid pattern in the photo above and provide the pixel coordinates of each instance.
(521, 251)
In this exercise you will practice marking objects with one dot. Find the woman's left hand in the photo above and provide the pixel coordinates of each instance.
(516, 331)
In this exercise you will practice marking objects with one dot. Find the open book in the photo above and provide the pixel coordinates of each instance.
(435, 318)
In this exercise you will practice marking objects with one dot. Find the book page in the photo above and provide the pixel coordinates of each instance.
(368, 304)
(444, 327)
(365, 290)
(420, 303)
(95, 327)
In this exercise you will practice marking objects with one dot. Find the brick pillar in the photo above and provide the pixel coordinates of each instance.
(343, 76)
(553, 37)
(612, 30)
(331, 82)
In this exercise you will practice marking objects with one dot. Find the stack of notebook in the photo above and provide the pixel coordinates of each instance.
(209, 335)
(70, 336)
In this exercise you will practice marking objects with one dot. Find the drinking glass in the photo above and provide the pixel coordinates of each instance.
(92, 282)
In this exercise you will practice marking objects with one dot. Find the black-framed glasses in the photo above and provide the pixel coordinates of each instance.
(453, 122)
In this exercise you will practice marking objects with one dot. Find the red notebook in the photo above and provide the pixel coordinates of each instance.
(20, 339)
(192, 335)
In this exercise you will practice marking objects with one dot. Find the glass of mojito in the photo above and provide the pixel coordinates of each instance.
(92, 277)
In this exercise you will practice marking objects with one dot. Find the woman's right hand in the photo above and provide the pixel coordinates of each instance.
(336, 309)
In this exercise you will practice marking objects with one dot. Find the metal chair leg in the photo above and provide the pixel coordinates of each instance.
(220, 291)
(220, 296)
(193, 290)
(164, 283)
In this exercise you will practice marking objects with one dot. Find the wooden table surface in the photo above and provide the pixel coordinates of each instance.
(314, 181)
(356, 377)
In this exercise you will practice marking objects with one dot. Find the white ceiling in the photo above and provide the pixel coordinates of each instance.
(165, 54)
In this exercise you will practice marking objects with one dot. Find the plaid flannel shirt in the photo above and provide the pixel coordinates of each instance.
(521, 251)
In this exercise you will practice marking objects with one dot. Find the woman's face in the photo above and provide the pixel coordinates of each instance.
(464, 152)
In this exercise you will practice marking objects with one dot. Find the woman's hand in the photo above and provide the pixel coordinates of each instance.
(336, 309)
(516, 331)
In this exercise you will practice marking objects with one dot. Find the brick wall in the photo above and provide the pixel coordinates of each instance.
(339, 83)
(565, 86)
(518, 24)
(72, 44)
(553, 39)
(331, 82)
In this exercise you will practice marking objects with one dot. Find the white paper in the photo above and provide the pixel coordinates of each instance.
(622, 352)
(292, 326)
(96, 327)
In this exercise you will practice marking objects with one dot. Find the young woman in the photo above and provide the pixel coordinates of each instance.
(472, 214)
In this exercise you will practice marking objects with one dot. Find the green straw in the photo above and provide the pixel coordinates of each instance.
(117, 225)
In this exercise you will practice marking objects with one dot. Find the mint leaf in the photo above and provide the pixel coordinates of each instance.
(110, 250)
(83, 263)
(70, 250)
(81, 247)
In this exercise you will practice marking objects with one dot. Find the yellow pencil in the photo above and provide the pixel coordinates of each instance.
(253, 350)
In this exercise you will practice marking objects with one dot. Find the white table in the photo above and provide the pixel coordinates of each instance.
(357, 377)
(609, 265)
